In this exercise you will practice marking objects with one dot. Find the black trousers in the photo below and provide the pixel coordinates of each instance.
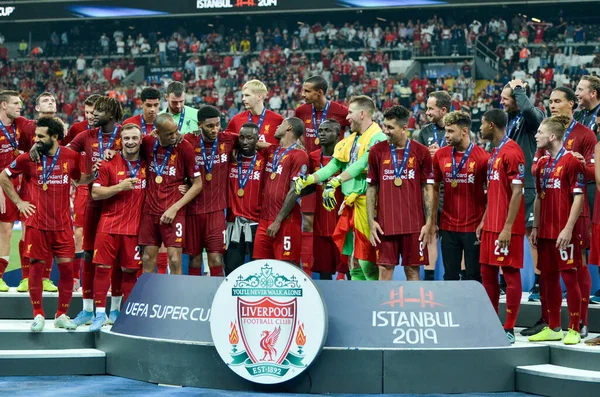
(453, 246)
(235, 256)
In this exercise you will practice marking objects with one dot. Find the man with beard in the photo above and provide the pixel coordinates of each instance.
(254, 93)
(185, 117)
(50, 231)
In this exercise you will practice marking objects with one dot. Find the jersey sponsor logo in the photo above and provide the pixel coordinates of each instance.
(268, 325)
(387, 161)
(120, 173)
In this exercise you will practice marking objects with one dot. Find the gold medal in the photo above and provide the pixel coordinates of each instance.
(240, 192)
(273, 175)
(398, 182)
(44, 186)
(158, 179)
(542, 195)
(209, 177)
(317, 141)
(454, 183)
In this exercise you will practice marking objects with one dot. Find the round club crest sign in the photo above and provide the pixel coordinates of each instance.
(268, 321)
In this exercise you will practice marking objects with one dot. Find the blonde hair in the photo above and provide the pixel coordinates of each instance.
(256, 86)
(461, 119)
(557, 125)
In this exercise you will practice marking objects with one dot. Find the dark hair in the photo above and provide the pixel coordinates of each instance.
(336, 125)
(569, 94)
(54, 125)
(207, 112)
(111, 106)
(442, 99)
(318, 82)
(398, 113)
(91, 100)
(252, 126)
(175, 87)
(150, 93)
(297, 126)
(496, 116)
(527, 90)
(5, 94)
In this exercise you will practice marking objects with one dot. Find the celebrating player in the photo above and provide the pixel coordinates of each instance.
(49, 227)
(461, 166)
(279, 233)
(246, 172)
(254, 93)
(185, 117)
(560, 184)
(121, 184)
(150, 97)
(163, 216)
(205, 221)
(503, 226)
(399, 177)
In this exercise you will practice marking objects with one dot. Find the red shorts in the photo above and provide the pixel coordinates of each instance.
(595, 244)
(286, 245)
(113, 249)
(153, 233)
(43, 244)
(79, 203)
(12, 212)
(491, 254)
(205, 231)
(326, 255)
(307, 203)
(551, 258)
(91, 218)
(414, 252)
(582, 230)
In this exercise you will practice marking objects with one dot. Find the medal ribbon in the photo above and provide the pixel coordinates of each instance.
(47, 171)
(496, 152)
(548, 170)
(398, 170)
(455, 169)
(144, 130)
(352, 159)
(160, 168)
(568, 132)
(181, 118)
(323, 116)
(113, 135)
(277, 159)
(260, 120)
(435, 136)
(209, 164)
(592, 121)
(11, 139)
(513, 125)
(132, 171)
(243, 180)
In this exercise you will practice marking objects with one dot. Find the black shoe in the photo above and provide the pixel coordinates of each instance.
(537, 327)
(503, 290)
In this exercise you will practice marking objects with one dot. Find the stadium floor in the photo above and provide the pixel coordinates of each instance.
(92, 386)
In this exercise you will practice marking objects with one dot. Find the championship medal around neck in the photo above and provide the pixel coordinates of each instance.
(240, 192)
(208, 177)
(398, 181)
(44, 186)
(158, 179)
(454, 183)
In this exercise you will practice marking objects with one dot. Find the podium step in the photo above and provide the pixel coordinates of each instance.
(52, 362)
(557, 381)
(16, 335)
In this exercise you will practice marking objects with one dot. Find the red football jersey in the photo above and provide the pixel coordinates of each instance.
(18, 137)
(566, 180)
(304, 113)
(181, 164)
(507, 169)
(75, 130)
(324, 221)
(87, 141)
(464, 204)
(249, 205)
(214, 195)
(52, 206)
(289, 166)
(400, 208)
(137, 120)
(122, 212)
(268, 127)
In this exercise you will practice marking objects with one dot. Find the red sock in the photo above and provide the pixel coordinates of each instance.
(48, 268)
(3, 266)
(306, 254)
(513, 295)
(162, 262)
(77, 266)
(573, 297)
(116, 279)
(65, 287)
(87, 279)
(101, 284)
(128, 282)
(35, 287)
(340, 276)
(216, 271)
(543, 301)
(489, 278)
(195, 271)
(553, 297)
(24, 261)
(585, 286)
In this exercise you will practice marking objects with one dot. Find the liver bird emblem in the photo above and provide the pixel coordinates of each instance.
(268, 341)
